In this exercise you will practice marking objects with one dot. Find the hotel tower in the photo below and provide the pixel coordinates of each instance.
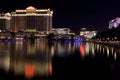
(32, 20)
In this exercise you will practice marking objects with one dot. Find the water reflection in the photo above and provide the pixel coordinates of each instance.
(86, 49)
(28, 58)
(34, 57)
(93, 48)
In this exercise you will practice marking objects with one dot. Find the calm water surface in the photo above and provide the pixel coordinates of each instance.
(58, 60)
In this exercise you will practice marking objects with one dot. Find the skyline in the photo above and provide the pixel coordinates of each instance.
(93, 15)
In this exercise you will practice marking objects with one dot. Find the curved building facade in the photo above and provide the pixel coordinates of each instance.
(114, 23)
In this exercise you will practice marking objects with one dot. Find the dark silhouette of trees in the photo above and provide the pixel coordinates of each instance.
(110, 34)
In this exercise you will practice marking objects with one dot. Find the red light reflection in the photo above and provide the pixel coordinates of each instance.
(81, 49)
(29, 70)
(50, 68)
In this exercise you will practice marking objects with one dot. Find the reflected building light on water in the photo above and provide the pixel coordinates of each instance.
(50, 68)
(107, 52)
(115, 55)
(29, 70)
(112, 50)
(69, 48)
(19, 45)
(76, 45)
(61, 49)
(5, 49)
(37, 65)
(5, 63)
(31, 48)
(82, 50)
(41, 46)
(19, 48)
(19, 42)
(98, 47)
(87, 50)
(93, 50)
(13, 58)
(52, 50)
(16, 60)
(32, 68)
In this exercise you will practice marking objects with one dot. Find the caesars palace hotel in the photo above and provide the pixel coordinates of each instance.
(31, 20)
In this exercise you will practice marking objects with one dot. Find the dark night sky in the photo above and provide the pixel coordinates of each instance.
(73, 14)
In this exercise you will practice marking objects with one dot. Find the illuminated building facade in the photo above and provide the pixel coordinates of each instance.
(5, 20)
(32, 20)
(114, 23)
(62, 33)
(61, 30)
(87, 34)
(5, 26)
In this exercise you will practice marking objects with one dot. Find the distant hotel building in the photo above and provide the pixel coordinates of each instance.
(32, 20)
(62, 31)
(114, 23)
(5, 20)
(87, 34)
(5, 26)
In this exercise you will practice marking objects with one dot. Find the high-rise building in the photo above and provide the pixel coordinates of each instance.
(114, 23)
(32, 20)
(5, 21)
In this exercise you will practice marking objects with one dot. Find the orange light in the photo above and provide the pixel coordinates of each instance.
(29, 70)
(81, 49)
(50, 68)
